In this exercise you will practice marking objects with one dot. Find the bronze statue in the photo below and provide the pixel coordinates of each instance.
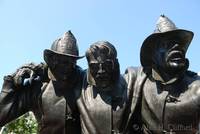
(160, 97)
(170, 93)
(50, 92)
(104, 97)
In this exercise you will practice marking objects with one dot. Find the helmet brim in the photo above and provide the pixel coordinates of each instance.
(49, 53)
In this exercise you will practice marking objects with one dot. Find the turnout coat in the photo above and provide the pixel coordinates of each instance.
(53, 106)
(172, 108)
(109, 111)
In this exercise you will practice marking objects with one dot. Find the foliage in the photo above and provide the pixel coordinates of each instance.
(26, 124)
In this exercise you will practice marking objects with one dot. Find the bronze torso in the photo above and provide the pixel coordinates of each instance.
(102, 111)
(59, 110)
(49, 108)
(54, 107)
(172, 108)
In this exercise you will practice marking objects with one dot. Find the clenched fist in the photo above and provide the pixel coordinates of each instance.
(21, 74)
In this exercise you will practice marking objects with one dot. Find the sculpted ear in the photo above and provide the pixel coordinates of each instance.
(187, 63)
(116, 63)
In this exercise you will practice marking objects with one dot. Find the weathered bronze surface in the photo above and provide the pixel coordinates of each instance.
(104, 97)
(51, 91)
(169, 93)
(160, 97)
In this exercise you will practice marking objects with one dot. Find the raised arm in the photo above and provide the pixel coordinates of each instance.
(17, 96)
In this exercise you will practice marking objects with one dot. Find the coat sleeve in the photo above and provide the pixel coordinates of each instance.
(135, 77)
(130, 76)
(14, 102)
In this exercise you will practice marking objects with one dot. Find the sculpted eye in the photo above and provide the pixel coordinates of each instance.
(94, 65)
(109, 63)
(166, 45)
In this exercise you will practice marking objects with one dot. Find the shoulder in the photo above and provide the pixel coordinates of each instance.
(194, 87)
(194, 84)
(132, 70)
(193, 80)
(133, 73)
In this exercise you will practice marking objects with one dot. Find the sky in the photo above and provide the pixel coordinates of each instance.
(28, 27)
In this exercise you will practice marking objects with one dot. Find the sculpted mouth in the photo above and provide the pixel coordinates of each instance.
(102, 78)
(175, 56)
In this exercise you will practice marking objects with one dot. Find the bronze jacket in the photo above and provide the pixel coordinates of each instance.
(54, 108)
(104, 112)
(133, 123)
(171, 108)
(165, 109)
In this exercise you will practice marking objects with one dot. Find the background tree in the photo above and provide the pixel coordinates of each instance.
(26, 124)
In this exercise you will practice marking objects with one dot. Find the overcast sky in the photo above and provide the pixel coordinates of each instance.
(28, 27)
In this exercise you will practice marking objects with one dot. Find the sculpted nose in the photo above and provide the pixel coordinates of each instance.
(175, 47)
(101, 70)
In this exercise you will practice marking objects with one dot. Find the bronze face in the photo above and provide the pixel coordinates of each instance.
(101, 68)
(63, 67)
(61, 58)
(169, 56)
(103, 64)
